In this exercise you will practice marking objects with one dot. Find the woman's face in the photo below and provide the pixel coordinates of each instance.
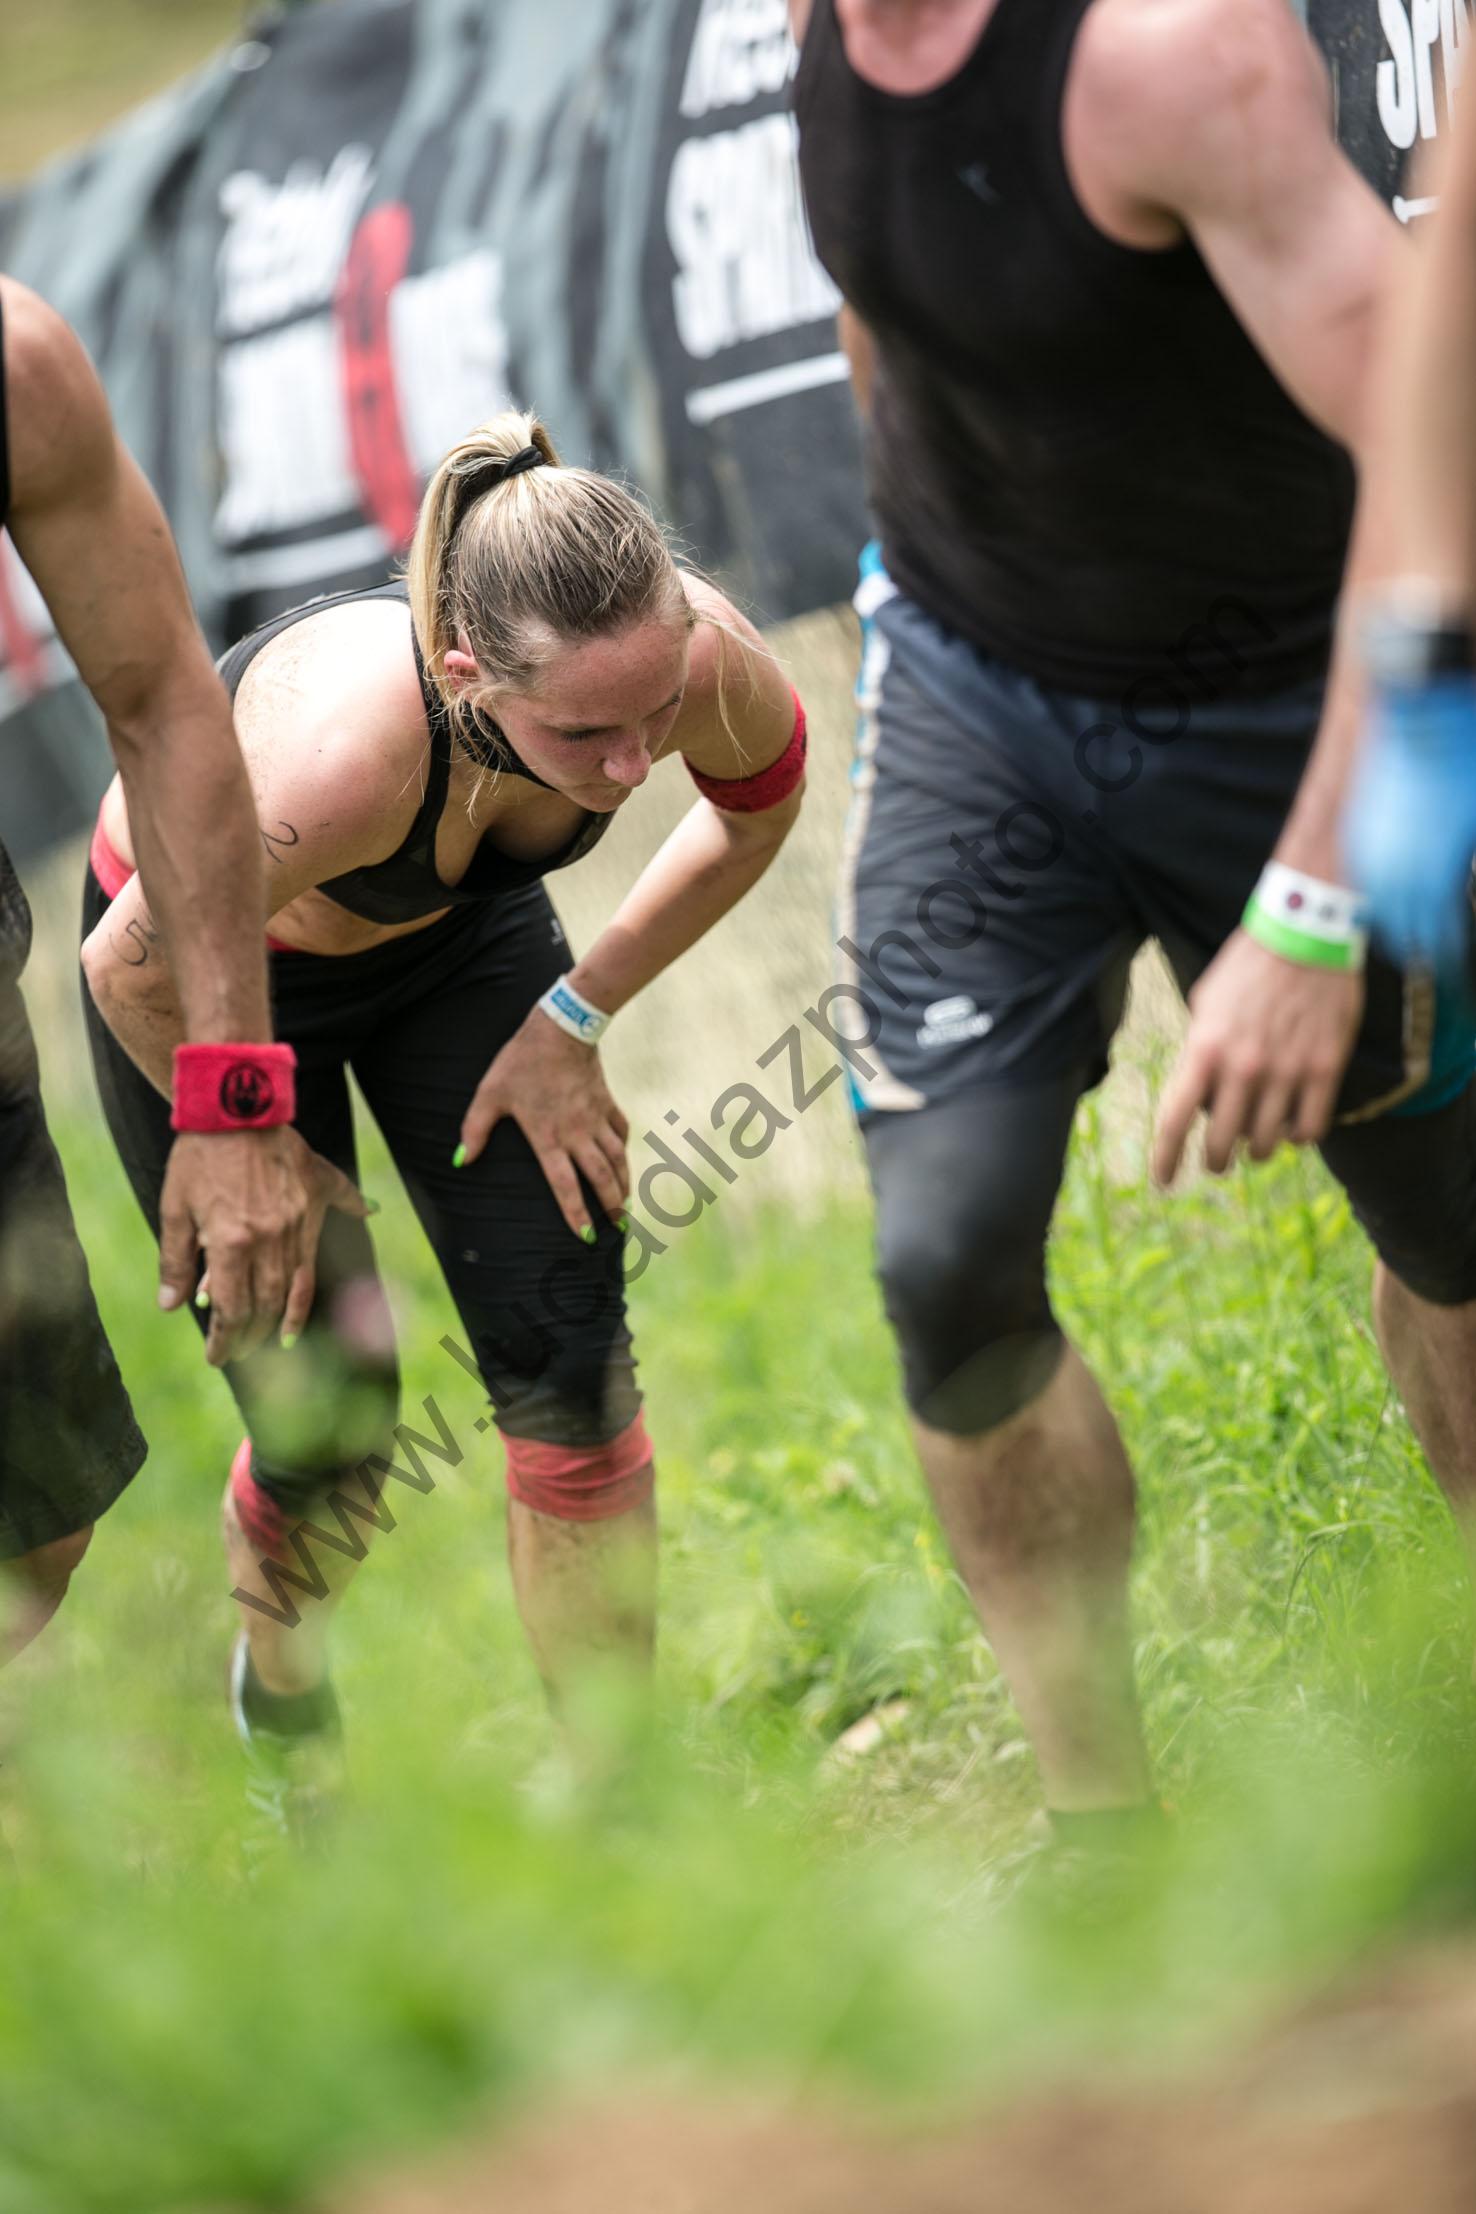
(601, 713)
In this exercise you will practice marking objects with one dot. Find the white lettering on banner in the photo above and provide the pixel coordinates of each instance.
(283, 428)
(449, 343)
(1405, 79)
(737, 393)
(736, 222)
(284, 244)
(283, 432)
(740, 50)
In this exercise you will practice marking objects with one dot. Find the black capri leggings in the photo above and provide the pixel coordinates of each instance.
(417, 1020)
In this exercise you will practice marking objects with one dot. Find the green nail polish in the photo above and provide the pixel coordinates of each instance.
(588, 1233)
(202, 1298)
(458, 1158)
(289, 1339)
(624, 1226)
(371, 1206)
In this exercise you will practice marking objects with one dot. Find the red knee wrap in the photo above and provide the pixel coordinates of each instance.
(256, 1510)
(582, 1483)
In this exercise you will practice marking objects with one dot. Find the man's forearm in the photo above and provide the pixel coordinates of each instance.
(132, 989)
(195, 834)
(1312, 838)
(1428, 420)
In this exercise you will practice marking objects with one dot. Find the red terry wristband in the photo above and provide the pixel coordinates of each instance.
(233, 1087)
(750, 795)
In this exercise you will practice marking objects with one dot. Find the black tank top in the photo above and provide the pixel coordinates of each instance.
(405, 886)
(1076, 453)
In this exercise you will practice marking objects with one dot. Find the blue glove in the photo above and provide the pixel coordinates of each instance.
(1410, 833)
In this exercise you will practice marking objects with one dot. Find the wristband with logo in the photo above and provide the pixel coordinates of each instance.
(1321, 926)
(573, 1013)
(233, 1086)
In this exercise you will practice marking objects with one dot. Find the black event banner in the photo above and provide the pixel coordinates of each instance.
(310, 268)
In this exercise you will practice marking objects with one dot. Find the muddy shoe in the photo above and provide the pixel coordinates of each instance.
(295, 1765)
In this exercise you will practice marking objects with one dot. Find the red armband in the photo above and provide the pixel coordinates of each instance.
(750, 795)
(233, 1087)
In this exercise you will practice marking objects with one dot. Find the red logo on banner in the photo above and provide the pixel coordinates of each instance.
(377, 260)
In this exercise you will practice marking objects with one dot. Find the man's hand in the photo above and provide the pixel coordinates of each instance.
(1267, 1046)
(553, 1088)
(253, 1203)
(1411, 828)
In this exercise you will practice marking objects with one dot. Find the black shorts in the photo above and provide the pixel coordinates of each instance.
(1010, 848)
(417, 1021)
(68, 1440)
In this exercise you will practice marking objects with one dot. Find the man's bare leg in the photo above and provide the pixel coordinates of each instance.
(1039, 1513)
(33, 1587)
(1431, 1355)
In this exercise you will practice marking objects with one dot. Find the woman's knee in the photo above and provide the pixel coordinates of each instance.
(40, 1577)
(576, 1439)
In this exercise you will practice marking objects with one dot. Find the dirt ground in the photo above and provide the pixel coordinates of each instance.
(1364, 2103)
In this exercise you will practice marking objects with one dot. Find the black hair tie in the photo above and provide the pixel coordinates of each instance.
(529, 458)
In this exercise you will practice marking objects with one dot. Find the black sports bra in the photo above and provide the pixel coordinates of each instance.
(405, 887)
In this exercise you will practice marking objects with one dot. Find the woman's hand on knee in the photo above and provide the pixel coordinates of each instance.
(553, 1088)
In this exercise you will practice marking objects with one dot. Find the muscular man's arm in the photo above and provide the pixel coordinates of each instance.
(1426, 463)
(92, 535)
(1411, 827)
(1211, 119)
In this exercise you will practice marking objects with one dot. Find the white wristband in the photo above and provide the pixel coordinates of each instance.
(1328, 911)
(573, 1013)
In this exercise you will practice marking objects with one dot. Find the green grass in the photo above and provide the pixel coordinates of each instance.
(723, 1898)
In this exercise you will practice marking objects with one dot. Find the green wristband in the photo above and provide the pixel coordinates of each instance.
(1299, 945)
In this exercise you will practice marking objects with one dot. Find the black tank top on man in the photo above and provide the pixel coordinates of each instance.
(1076, 455)
(405, 886)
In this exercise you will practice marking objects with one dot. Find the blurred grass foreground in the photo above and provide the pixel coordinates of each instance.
(779, 1938)
(741, 1896)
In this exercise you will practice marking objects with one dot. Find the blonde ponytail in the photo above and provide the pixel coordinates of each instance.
(524, 562)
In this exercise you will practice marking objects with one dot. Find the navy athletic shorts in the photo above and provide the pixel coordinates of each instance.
(1010, 848)
(68, 1440)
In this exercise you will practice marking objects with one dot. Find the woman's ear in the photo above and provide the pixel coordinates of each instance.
(461, 668)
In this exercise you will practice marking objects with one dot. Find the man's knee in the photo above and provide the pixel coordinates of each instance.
(967, 1299)
(965, 1191)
